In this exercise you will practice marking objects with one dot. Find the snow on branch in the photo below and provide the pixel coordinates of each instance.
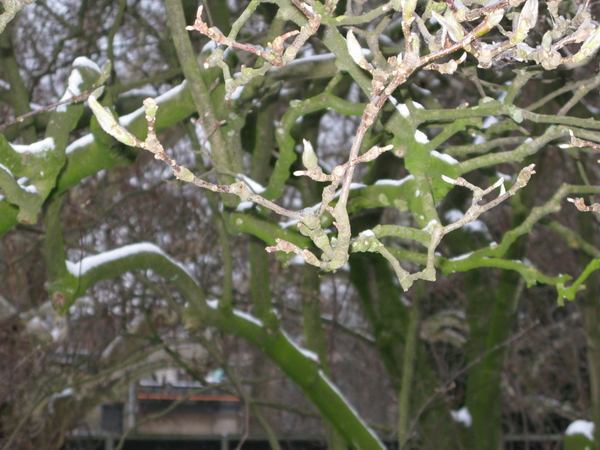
(88, 263)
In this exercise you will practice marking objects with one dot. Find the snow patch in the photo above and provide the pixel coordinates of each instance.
(237, 93)
(447, 158)
(209, 46)
(297, 260)
(581, 427)
(75, 80)
(243, 206)
(36, 147)
(367, 233)
(421, 137)
(395, 182)
(171, 93)
(90, 262)
(489, 121)
(308, 353)
(429, 227)
(68, 392)
(255, 187)
(30, 189)
(127, 119)
(353, 186)
(453, 215)
(476, 226)
(214, 304)
(349, 405)
(3, 167)
(312, 58)
(81, 142)
(462, 416)
(460, 257)
(248, 317)
(401, 107)
(82, 61)
(479, 140)
(308, 7)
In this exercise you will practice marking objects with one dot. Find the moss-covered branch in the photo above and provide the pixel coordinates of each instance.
(300, 365)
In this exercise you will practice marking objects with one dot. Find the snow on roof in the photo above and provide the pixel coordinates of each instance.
(581, 427)
(90, 262)
(37, 147)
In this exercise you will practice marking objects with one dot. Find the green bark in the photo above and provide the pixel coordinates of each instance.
(484, 390)
(262, 150)
(94, 155)
(373, 279)
(408, 369)
(41, 164)
(590, 308)
(9, 67)
(224, 139)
